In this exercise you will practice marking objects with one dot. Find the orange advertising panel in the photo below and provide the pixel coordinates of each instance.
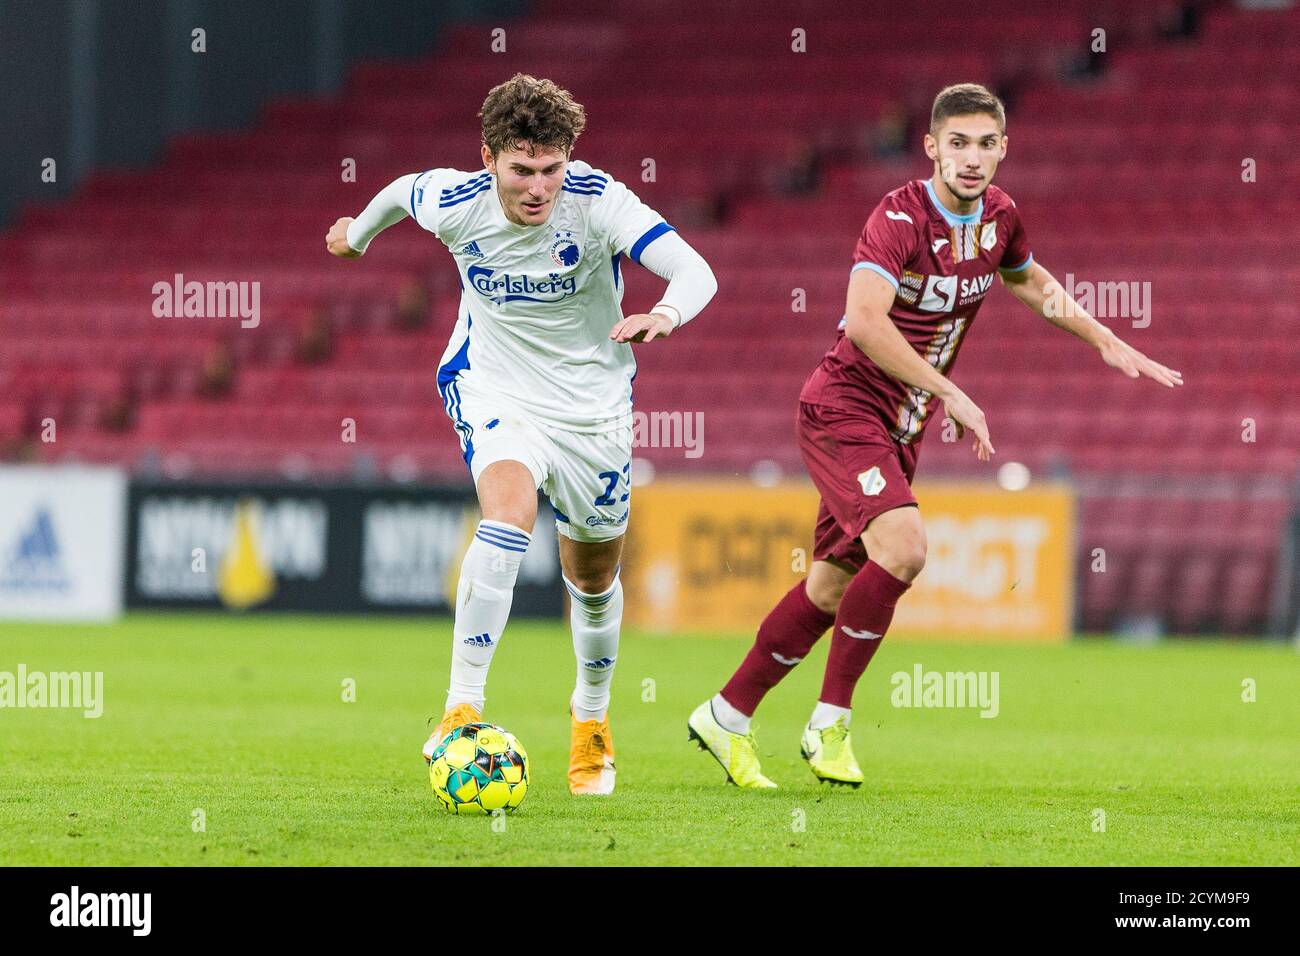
(716, 555)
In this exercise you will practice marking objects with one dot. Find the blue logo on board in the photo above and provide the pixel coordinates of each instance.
(34, 562)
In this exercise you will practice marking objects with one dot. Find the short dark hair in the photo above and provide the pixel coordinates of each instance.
(526, 110)
(964, 99)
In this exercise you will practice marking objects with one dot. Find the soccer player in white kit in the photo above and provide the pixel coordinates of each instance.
(537, 378)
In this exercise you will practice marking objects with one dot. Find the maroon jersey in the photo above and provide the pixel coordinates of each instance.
(941, 266)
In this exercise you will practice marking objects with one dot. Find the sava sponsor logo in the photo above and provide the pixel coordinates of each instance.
(522, 288)
(75, 908)
(944, 293)
(974, 289)
(940, 294)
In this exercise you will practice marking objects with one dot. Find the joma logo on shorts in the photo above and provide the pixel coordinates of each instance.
(872, 481)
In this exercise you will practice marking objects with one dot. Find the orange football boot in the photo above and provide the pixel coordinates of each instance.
(591, 757)
(455, 717)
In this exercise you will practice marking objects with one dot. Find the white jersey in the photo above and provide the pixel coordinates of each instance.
(538, 302)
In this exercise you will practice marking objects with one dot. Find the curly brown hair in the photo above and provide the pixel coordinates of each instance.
(525, 113)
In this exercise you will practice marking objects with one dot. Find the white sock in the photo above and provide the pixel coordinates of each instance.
(824, 715)
(595, 619)
(483, 596)
(728, 717)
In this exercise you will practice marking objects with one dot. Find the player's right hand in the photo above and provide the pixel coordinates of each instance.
(967, 415)
(336, 240)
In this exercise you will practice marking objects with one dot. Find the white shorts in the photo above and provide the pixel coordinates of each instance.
(586, 475)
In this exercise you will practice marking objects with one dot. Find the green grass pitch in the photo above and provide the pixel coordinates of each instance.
(243, 718)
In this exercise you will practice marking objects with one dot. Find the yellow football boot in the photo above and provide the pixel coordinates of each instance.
(829, 753)
(738, 753)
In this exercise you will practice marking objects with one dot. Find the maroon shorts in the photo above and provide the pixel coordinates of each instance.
(860, 471)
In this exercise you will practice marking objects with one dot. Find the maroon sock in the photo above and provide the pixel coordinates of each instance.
(785, 637)
(866, 609)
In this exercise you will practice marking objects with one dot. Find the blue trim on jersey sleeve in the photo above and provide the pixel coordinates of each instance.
(952, 218)
(413, 187)
(1020, 268)
(467, 185)
(647, 237)
(464, 197)
(878, 270)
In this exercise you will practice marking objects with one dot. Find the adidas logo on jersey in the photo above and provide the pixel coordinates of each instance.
(472, 250)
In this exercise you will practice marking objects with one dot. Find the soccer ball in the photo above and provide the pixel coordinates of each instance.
(479, 768)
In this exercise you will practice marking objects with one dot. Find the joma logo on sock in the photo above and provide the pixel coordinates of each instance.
(479, 640)
(102, 909)
(922, 688)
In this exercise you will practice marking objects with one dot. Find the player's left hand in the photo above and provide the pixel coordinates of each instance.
(643, 328)
(1117, 353)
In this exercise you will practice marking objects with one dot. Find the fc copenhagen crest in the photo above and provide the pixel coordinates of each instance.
(564, 251)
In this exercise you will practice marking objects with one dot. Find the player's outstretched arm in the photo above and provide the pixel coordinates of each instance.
(348, 238)
(691, 285)
(870, 328)
(1037, 288)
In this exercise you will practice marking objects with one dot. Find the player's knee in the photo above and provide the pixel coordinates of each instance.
(905, 558)
(596, 581)
(825, 595)
(520, 513)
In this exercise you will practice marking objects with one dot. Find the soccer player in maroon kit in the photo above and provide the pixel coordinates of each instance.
(924, 263)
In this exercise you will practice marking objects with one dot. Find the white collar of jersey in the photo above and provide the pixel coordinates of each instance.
(952, 218)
